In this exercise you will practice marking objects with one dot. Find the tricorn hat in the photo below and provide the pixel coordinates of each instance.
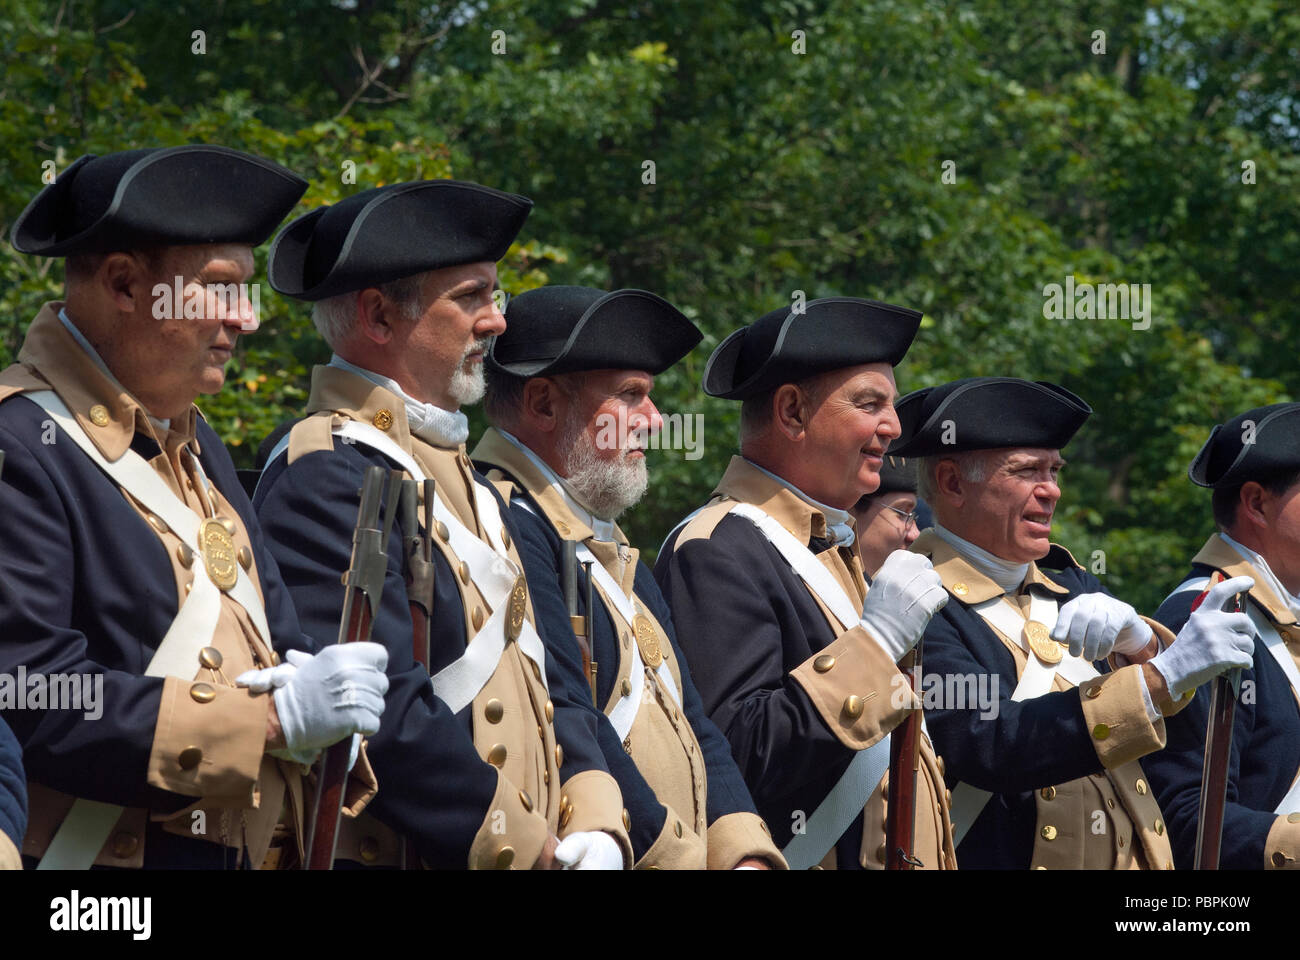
(392, 232)
(160, 196)
(1256, 445)
(983, 413)
(788, 345)
(563, 329)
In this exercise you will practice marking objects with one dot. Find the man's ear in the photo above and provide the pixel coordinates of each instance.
(543, 404)
(949, 483)
(1251, 504)
(791, 410)
(374, 316)
(125, 278)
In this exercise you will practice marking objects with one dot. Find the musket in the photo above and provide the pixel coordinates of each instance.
(364, 582)
(581, 624)
(417, 571)
(904, 763)
(1218, 750)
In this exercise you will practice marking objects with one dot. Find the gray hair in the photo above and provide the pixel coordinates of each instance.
(973, 465)
(336, 316)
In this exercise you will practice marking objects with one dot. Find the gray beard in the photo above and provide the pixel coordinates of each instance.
(605, 487)
(468, 386)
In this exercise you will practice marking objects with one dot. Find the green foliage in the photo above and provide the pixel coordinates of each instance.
(774, 172)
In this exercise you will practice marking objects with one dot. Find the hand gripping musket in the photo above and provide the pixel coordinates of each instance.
(904, 762)
(418, 571)
(1218, 750)
(364, 581)
(582, 626)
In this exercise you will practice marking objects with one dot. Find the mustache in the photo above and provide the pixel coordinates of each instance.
(478, 346)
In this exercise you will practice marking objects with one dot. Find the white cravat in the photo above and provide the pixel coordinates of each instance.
(603, 529)
(1004, 573)
(99, 362)
(838, 528)
(1269, 576)
(432, 424)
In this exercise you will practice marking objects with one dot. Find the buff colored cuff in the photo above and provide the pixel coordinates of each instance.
(512, 834)
(591, 800)
(738, 836)
(677, 847)
(9, 858)
(855, 687)
(209, 749)
(1116, 718)
(1282, 846)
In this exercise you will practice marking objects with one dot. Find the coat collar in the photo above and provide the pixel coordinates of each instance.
(745, 482)
(353, 396)
(107, 412)
(966, 583)
(1221, 555)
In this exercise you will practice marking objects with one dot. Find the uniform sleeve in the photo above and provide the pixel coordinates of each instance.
(434, 787)
(47, 582)
(13, 800)
(730, 613)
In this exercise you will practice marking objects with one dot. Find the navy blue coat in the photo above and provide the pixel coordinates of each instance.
(1263, 762)
(87, 587)
(1028, 745)
(787, 755)
(13, 788)
(434, 788)
(540, 547)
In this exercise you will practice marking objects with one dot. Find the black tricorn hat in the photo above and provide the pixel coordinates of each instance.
(1256, 445)
(391, 232)
(786, 345)
(562, 329)
(161, 196)
(984, 413)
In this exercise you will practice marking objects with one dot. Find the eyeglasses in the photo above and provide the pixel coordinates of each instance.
(909, 519)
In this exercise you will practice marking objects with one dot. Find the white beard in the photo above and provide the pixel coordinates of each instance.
(467, 386)
(606, 487)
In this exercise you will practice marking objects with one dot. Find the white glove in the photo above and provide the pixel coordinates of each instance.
(903, 597)
(332, 695)
(1094, 624)
(590, 850)
(1210, 643)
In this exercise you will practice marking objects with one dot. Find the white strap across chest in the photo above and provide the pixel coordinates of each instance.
(845, 801)
(1276, 647)
(84, 830)
(491, 570)
(1001, 614)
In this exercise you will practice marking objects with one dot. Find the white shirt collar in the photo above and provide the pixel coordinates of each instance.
(1270, 577)
(603, 529)
(838, 528)
(1004, 573)
(99, 362)
(442, 428)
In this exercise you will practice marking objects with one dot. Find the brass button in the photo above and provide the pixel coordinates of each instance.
(627, 820)
(1293, 818)
(1049, 832)
(99, 415)
(559, 755)
(275, 659)
(947, 798)
(1048, 793)
(1040, 867)
(246, 558)
(505, 857)
(1110, 802)
(494, 710)
(156, 523)
(227, 524)
(1101, 731)
(189, 758)
(443, 533)
(1278, 859)
(188, 587)
(823, 663)
(546, 776)
(960, 589)
(1160, 827)
(1141, 787)
(497, 755)
(940, 764)
(478, 617)
(383, 419)
(677, 829)
(537, 671)
(464, 572)
(1169, 864)
(566, 814)
(627, 745)
(211, 658)
(562, 528)
(853, 706)
(626, 687)
(125, 844)
(541, 734)
(202, 692)
(369, 849)
(1094, 691)
(505, 538)
(526, 800)
(185, 555)
(550, 712)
